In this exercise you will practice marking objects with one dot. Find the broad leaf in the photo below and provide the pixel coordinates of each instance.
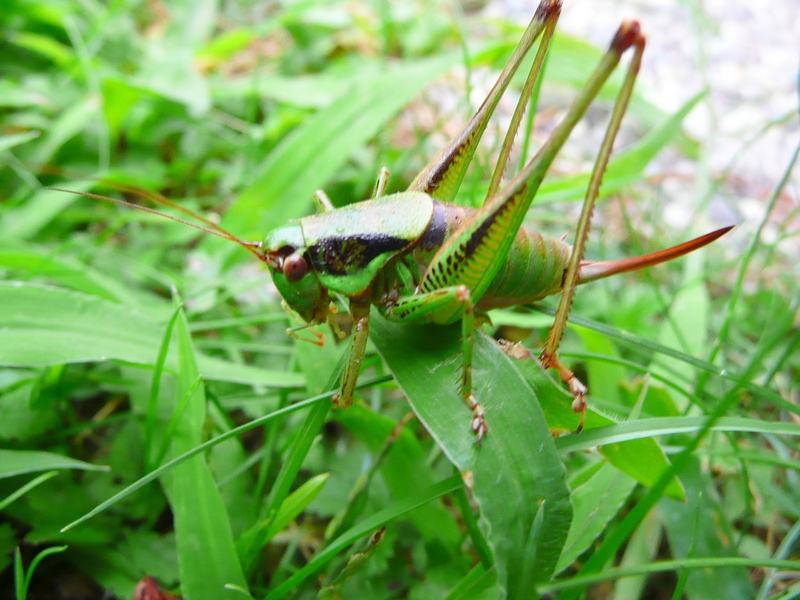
(516, 471)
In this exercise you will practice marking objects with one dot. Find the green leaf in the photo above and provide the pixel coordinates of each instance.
(405, 471)
(364, 528)
(296, 502)
(686, 325)
(311, 91)
(63, 270)
(642, 459)
(264, 530)
(596, 502)
(119, 97)
(604, 377)
(18, 462)
(641, 549)
(571, 60)
(206, 552)
(698, 529)
(23, 580)
(230, 434)
(425, 363)
(42, 326)
(69, 124)
(224, 46)
(15, 139)
(45, 46)
(24, 489)
(634, 430)
(27, 220)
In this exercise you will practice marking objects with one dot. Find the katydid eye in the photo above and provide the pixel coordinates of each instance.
(295, 267)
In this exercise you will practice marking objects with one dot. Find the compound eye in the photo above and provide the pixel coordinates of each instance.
(295, 267)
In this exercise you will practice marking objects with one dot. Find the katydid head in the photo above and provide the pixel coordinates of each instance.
(284, 251)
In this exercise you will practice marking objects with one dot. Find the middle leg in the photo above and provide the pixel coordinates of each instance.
(444, 305)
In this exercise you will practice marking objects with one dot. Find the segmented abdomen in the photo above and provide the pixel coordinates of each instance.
(533, 269)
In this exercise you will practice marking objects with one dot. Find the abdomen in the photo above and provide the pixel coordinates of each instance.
(533, 269)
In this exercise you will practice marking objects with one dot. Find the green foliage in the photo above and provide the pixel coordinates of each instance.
(146, 380)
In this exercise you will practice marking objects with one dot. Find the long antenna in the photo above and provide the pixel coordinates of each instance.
(157, 198)
(210, 226)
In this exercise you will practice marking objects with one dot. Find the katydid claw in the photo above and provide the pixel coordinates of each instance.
(568, 378)
(478, 426)
(338, 404)
(578, 391)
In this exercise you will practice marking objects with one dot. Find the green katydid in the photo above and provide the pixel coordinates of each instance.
(419, 258)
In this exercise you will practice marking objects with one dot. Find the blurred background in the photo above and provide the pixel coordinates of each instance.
(239, 111)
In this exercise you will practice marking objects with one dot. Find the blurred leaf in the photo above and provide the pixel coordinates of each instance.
(625, 167)
(20, 420)
(36, 262)
(169, 73)
(42, 326)
(25, 221)
(305, 160)
(642, 548)
(605, 377)
(119, 97)
(224, 46)
(657, 401)
(17, 462)
(686, 325)
(571, 61)
(312, 91)
(45, 46)
(14, 96)
(698, 529)
(69, 123)
(15, 139)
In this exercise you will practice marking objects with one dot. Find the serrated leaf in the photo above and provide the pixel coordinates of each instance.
(509, 487)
